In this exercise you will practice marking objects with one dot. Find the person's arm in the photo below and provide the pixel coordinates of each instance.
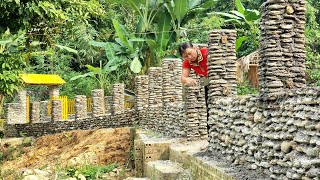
(185, 79)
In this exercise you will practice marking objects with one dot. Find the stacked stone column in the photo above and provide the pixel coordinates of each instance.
(155, 97)
(142, 98)
(221, 63)
(173, 121)
(196, 110)
(117, 98)
(43, 110)
(22, 106)
(80, 107)
(98, 107)
(108, 100)
(56, 110)
(282, 53)
(35, 112)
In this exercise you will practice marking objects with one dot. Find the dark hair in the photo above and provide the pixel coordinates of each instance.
(184, 46)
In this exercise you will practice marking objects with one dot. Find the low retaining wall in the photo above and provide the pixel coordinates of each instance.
(128, 118)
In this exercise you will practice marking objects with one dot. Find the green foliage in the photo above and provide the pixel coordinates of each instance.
(11, 63)
(246, 89)
(91, 171)
(312, 33)
(246, 22)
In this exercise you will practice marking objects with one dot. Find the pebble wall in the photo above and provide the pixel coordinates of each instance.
(282, 47)
(126, 119)
(282, 137)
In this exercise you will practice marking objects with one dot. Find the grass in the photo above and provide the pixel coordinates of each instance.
(90, 171)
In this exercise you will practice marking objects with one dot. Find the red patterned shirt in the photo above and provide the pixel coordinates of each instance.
(200, 67)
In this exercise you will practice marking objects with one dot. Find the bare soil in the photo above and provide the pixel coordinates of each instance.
(99, 147)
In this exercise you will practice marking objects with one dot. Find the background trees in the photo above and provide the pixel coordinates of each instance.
(124, 37)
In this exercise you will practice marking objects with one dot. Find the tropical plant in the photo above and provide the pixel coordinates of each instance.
(11, 63)
(247, 23)
(312, 33)
(100, 74)
(182, 11)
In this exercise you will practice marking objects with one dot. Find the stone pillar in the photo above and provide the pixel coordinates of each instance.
(282, 47)
(35, 112)
(142, 98)
(43, 110)
(155, 97)
(172, 123)
(118, 98)
(221, 64)
(22, 101)
(54, 91)
(171, 83)
(56, 110)
(98, 107)
(80, 107)
(196, 110)
(142, 95)
(155, 87)
(13, 113)
(108, 100)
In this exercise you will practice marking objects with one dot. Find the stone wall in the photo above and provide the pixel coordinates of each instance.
(127, 118)
(282, 47)
(282, 137)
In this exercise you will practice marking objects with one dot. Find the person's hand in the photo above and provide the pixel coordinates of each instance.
(190, 82)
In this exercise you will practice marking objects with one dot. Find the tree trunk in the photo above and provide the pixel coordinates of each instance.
(1, 105)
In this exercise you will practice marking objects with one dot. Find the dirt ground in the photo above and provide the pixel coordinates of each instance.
(73, 148)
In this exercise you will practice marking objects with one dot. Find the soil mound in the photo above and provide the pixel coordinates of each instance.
(79, 147)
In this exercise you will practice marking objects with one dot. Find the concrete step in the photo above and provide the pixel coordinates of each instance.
(201, 167)
(165, 170)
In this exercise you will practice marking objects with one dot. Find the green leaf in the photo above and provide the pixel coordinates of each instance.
(135, 65)
(252, 15)
(239, 42)
(208, 4)
(193, 3)
(152, 43)
(180, 9)
(240, 7)
(67, 49)
(164, 27)
(226, 15)
(5, 42)
(35, 43)
(94, 69)
(82, 76)
(122, 34)
(97, 44)
(137, 40)
(110, 51)
(239, 14)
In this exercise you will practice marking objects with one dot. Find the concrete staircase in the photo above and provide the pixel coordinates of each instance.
(172, 159)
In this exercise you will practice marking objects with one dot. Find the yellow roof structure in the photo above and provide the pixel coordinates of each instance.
(42, 79)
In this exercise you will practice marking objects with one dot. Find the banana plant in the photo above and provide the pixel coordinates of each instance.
(244, 18)
(98, 73)
(181, 11)
(146, 10)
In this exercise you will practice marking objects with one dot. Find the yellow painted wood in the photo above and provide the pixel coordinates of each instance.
(28, 109)
(42, 79)
(64, 102)
(1, 123)
(89, 104)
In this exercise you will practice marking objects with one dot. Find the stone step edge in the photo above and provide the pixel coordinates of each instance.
(164, 169)
(199, 167)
